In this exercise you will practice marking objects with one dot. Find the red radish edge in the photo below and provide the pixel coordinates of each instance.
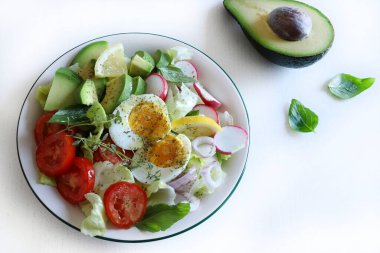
(188, 68)
(230, 139)
(208, 111)
(157, 85)
(206, 97)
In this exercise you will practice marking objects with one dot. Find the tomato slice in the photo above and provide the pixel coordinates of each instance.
(102, 155)
(125, 204)
(44, 129)
(78, 181)
(55, 155)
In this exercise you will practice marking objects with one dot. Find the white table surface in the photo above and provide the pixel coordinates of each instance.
(300, 193)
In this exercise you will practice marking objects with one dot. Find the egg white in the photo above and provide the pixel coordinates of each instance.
(147, 172)
(120, 130)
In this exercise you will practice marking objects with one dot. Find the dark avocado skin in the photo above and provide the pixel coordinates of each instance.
(285, 60)
(281, 59)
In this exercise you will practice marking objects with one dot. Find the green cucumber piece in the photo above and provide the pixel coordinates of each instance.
(63, 88)
(138, 85)
(117, 90)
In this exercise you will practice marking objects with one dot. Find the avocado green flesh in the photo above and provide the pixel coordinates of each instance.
(140, 67)
(87, 93)
(118, 90)
(63, 89)
(90, 52)
(252, 16)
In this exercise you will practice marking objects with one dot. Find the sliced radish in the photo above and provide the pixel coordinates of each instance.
(230, 139)
(207, 111)
(187, 68)
(206, 97)
(204, 146)
(157, 85)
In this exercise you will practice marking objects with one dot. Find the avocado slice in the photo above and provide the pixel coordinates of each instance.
(118, 89)
(140, 67)
(89, 53)
(253, 15)
(87, 93)
(138, 86)
(63, 88)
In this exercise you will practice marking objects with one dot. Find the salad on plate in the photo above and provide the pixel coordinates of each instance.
(132, 140)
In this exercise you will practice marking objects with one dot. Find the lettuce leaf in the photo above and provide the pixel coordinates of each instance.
(159, 192)
(180, 103)
(95, 222)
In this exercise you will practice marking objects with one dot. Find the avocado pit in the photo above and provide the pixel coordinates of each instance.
(290, 23)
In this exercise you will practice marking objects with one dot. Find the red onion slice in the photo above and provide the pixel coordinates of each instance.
(212, 168)
(204, 146)
(184, 183)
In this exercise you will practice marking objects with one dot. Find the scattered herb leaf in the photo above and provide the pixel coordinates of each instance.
(346, 86)
(175, 75)
(301, 118)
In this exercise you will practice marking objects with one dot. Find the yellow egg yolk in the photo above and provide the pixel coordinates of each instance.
(167, 152)
(148, 121)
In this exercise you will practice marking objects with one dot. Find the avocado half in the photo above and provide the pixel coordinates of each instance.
(252, 16)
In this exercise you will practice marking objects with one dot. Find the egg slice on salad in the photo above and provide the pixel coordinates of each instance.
(140, 119)
(162, 160)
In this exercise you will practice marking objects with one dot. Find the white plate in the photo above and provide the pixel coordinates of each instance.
(211, 75)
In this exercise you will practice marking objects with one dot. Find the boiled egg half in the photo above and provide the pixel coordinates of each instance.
(138, 120)
(163, 160)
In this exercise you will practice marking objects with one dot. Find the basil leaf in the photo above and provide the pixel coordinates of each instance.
(346, 86)
(301, 118)
(162, 216)
(71, 115)
(175, 75)
(193, 113)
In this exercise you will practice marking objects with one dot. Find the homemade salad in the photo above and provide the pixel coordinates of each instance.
(133, 141)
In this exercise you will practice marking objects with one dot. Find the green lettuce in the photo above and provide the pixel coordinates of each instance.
(95, 222)
(159, 192)
(180, 103)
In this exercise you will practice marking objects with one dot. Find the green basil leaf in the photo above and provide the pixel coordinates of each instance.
(71, 115)
(346, 86)
(193, 113)
(301, 118)
(162, 216)
(175, 75)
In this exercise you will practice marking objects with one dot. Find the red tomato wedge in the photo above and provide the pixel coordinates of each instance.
(102, 155)
(44, 129)
(78, 181)
(55, 155)
(125, 204)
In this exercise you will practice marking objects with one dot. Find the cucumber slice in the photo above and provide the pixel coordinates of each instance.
(63, 88)
(118, 90)
(138, 86)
